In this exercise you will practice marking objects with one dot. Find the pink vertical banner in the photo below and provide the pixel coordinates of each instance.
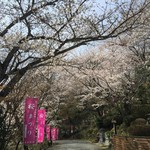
(41, 125)
(48, 132)
(30, 120)
(54, 134)
(57, 133)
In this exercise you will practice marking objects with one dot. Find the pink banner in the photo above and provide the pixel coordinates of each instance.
(54, 134)
(48, 134)
(41, 125)
(30, 120)
(57, 133)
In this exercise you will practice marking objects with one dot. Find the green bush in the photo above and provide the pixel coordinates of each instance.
(139, 130)
(122, 130)
(139, 121)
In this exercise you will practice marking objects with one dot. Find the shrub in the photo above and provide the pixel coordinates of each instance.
(140, 121)
(122, 130)
(139, 130)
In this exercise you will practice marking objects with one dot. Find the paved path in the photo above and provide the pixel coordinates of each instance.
(74, 145)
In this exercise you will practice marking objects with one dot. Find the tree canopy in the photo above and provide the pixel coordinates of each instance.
(33, 32)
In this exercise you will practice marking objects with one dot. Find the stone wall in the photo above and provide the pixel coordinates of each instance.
(131, 143)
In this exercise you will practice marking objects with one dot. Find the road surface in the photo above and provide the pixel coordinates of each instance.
(74, 145)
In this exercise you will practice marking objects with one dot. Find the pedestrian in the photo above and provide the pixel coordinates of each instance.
(102, 135)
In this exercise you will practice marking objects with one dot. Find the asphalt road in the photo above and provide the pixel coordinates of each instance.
(73, 145)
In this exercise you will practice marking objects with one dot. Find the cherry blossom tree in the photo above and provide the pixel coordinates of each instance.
(33, 32)
(36, 35)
